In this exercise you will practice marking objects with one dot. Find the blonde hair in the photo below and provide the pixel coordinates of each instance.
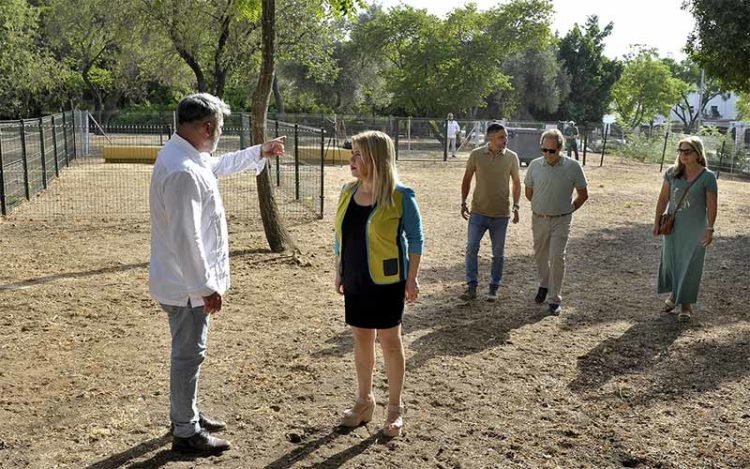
(697, 145)
(553, 133)
(377, 148)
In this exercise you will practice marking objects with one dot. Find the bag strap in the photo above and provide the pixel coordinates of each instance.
(682, 199)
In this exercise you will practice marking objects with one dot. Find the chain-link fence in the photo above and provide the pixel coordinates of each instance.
(426, 139)
(72, 166)
(33, 152)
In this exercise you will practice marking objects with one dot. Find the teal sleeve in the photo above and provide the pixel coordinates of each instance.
(412, 223)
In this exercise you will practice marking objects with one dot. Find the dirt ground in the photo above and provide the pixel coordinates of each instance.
(609, 383)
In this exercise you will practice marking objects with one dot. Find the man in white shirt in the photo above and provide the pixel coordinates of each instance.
(452, 131)
(189, 271)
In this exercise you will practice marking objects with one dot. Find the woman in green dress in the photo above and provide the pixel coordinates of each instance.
(683, 251)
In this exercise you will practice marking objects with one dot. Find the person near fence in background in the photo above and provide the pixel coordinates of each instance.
(550, 181)
(378, 247)
(452, 131)
(570, 131)
(189, 269)
(689, 192)
(493, 165)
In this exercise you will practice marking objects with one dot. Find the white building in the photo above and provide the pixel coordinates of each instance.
(717, 111)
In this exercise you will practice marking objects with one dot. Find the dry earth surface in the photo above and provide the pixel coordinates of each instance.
(609, 383)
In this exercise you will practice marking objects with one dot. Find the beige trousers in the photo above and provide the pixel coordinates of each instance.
(550, 241)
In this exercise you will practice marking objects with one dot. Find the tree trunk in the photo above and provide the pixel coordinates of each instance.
(276, 234)
(277, 95)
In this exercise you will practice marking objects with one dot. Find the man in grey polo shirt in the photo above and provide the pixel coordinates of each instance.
(494, 166)
(550, 182)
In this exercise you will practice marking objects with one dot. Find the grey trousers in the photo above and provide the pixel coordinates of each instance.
(189, 328)
(550, 242)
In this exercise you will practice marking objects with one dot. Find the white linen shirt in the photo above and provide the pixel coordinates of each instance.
(189, 244)
(453, 128)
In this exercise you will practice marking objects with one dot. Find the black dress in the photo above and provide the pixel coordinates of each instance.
(366, 304)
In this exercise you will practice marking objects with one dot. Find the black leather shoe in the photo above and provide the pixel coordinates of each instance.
(206, 423)
(541, 295)
(201, 442)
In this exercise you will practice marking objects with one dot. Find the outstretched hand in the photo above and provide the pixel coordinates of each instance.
(273, 147)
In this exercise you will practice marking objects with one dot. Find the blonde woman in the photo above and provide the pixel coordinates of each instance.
(684, 249)
(378, 249)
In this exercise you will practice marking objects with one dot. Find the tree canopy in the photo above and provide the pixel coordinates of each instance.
(344, 56)
(592, 74)
(646, 89)
(720, 41)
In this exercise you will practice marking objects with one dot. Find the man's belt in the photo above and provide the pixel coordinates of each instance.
(551, 216)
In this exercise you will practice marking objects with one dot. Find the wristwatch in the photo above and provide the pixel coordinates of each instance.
(516, 207)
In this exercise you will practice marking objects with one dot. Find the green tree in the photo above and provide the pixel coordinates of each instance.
(434, 66)
(645, 89)
(221, 40)
(117, 59)
(358, 88)
(540, 83)
(743, 107)
(720, 41)
(689, 72)
(29, 76)
(277, 236)
(592, 74)
(85, 35)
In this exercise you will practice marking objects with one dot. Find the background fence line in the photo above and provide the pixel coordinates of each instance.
(57, 162)
(56, 165)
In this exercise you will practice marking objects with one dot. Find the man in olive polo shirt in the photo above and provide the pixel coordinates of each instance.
(550, 181)
(493, 165)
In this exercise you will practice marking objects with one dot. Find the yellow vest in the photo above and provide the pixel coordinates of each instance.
(386, 256)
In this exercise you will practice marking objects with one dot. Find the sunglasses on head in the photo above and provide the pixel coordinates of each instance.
(551, 151)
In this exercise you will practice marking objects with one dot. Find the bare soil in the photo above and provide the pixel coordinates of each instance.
(610, 383)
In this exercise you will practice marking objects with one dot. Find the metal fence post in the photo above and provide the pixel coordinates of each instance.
(24, 161)
(3, 208)
(44, 157)
(278, 162)
(604, 144)
(396, 143)
(65, 137)
(322, 169)
(445, 147)
(54, 147)
(585, 142)
(75, 152)
(721, 157)
(664, 150)
(296, 161)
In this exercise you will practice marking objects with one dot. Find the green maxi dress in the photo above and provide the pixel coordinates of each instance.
(682, 254)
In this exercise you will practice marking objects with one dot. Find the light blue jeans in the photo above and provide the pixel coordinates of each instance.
(478, 225)
(189, 328)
